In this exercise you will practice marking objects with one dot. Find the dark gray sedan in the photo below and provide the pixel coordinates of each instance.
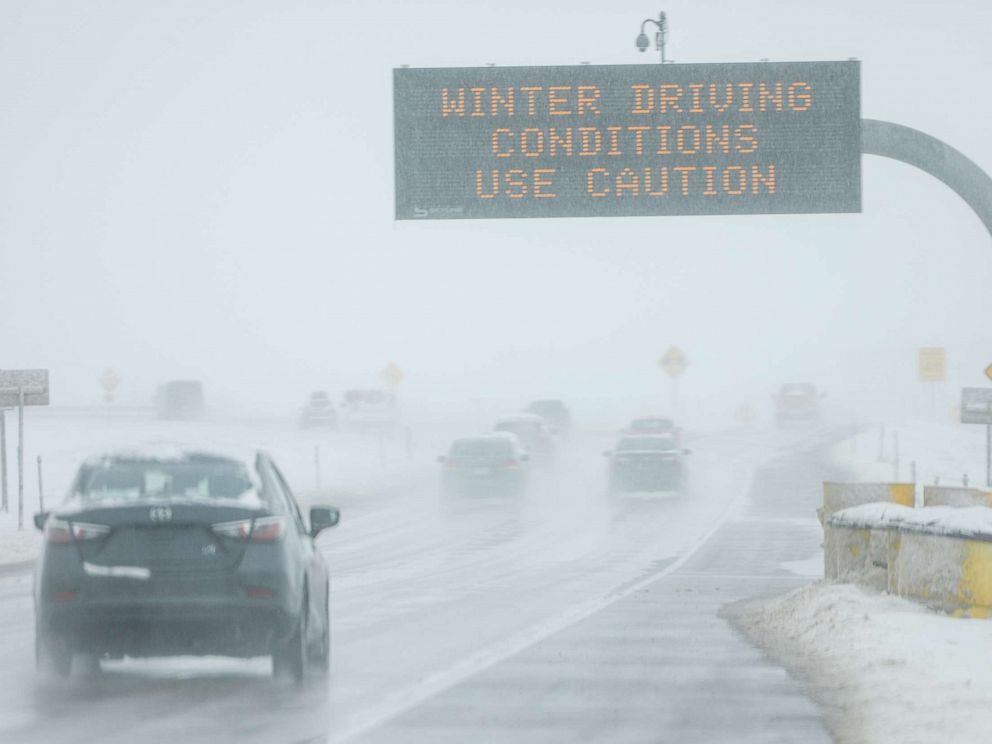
(182, 553)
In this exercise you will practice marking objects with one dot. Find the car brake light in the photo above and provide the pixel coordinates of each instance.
(64, 596)
(57, 532)
(268, 529)
(258, 592)
(263, 529)
(84, 531)
(511, 463)
(239, 529)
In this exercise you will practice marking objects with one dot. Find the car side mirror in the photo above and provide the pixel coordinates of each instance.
(442, 459)
(39, 520)
(323, 517)
(525, 457)
(607, 453)
(687, 452)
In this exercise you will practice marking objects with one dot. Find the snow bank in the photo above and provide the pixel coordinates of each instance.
(17, 546)
(885, 669)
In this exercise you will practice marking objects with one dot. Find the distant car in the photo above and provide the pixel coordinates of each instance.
(180, 399)
(178, 553)
(534, 434)
(646, 462)
(490, 464)
(369, 410)
(797, 401)
(319, 412)
(651, 425)
(555, 414)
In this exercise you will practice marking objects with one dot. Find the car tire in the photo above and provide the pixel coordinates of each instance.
(52, 653)
(322, 658)
(289, 659)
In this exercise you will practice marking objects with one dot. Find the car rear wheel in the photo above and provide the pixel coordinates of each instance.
(53, 655)
(289, 659)
(322, 656)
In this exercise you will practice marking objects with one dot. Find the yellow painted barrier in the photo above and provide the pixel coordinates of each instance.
(955, 496)
(974, 595)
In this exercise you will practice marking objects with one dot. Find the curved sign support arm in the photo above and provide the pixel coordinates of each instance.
(937, 158)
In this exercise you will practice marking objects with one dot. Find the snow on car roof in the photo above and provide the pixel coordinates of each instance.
(168, 452)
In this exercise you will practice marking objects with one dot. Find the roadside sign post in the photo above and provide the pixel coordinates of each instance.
(41, 488)
(673, 362)
(932, 369)
(976, 408)
(3, 460)
(22, 387)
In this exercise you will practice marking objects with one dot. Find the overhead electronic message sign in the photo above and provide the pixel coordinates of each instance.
(615, 140)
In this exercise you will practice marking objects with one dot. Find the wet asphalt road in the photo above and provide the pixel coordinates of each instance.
(567, 616)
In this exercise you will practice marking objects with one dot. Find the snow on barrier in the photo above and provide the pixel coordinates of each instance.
(955, 496)
(837, 496)
(859, 553)
(939, 555)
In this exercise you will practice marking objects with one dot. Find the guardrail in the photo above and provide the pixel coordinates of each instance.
(940, 555)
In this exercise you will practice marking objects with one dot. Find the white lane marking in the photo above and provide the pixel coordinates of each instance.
(401, 701)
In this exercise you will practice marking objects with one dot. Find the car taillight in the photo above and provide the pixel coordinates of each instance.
(238, 530)
(84, 531)
(268, 529)
(511, 463)
(57, 532)
(263, 529)
(60, 532)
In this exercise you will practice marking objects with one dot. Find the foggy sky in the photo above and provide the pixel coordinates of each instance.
(206, 190)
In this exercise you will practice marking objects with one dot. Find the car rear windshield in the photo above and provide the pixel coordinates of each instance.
(655, 424)
(137, 480)
(646, 443)
(481, 448)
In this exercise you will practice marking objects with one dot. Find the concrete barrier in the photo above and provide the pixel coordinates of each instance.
(837, 496)
(955, 496)
(940, 555)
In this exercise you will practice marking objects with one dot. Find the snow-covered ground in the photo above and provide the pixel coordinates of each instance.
(884, 668)
(943, 453)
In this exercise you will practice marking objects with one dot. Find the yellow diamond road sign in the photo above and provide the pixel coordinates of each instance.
(391, 375)
(988, 371)
(673, 362)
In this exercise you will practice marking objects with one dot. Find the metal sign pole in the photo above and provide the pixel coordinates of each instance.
(41, 488)
(3, 460)
(20, 458)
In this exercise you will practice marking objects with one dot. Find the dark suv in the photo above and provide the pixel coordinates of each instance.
(646, 462)
(554, 412)
(182, 553)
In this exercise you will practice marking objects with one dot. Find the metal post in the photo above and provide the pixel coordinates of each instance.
(881, 443)
(988, 455)
(895, 456)
(20, 458)
(41, 488)
(3, 460)
(316, 464)
(912, 474)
